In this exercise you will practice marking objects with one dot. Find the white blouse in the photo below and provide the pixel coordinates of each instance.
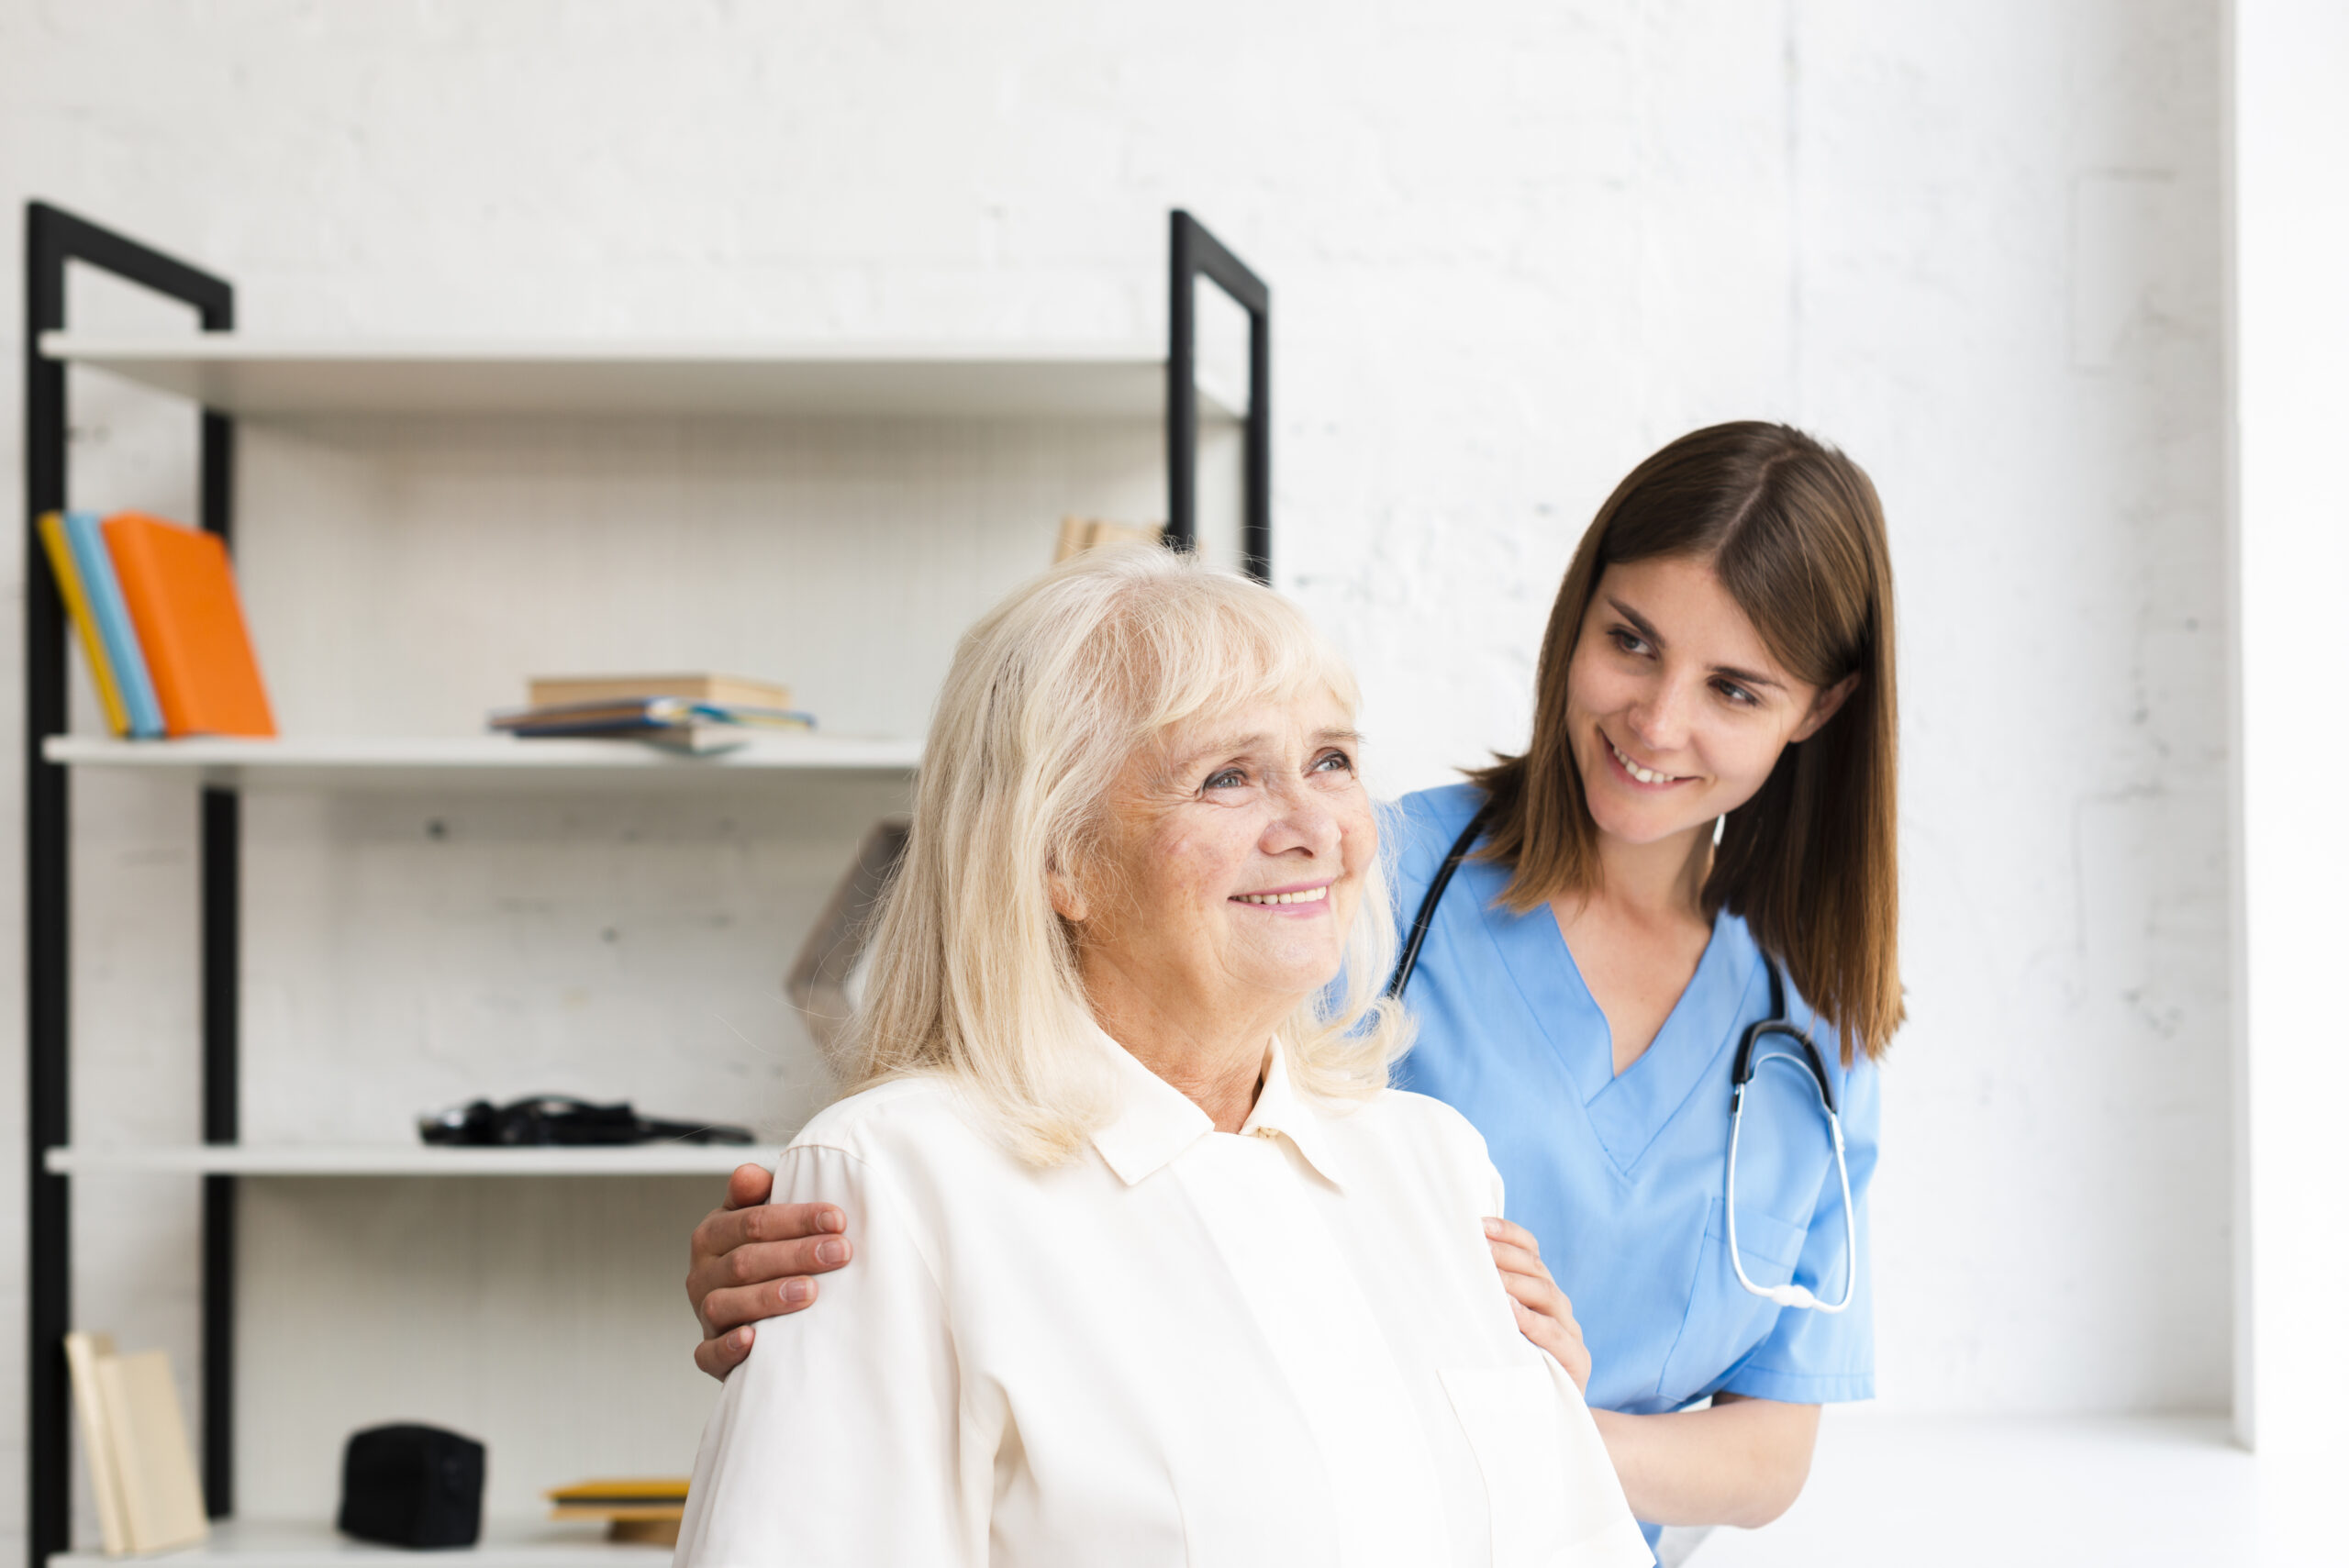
(1285, 1346)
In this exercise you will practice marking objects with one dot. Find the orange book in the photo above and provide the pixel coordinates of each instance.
(182, 600)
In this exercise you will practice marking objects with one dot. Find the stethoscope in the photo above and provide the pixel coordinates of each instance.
(1748, 1063)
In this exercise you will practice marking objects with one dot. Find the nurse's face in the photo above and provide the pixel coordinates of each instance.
(1676, 709)
(1235, 863)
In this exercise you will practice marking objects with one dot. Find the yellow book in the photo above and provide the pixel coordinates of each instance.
(645, 1510)
(77, 604)
(638, 1494)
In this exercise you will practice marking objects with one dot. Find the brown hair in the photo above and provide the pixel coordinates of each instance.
(1795, 532)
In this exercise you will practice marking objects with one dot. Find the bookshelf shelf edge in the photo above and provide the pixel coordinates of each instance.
(305, 376)
(309, 1161)
(393, 760)
(301, 1543)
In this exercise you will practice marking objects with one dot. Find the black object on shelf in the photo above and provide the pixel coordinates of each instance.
(53, 240)
(412, 1486)
(544, 1120)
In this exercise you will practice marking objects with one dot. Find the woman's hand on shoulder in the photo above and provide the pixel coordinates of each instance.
(1543, 1314)
(753, 1260)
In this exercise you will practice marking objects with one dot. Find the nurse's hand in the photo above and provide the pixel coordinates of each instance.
(1543, 1314)
(753, 1260)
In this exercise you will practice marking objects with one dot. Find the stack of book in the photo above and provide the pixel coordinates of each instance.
(135, 1446)
(644, 1511)
(689, 713)
(156, 606)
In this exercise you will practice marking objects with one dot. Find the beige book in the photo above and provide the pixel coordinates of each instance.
(737, 691)
(163, 1503)
(83, 1353)
(1081, 534)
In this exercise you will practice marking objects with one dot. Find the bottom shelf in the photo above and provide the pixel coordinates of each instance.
(290, 1543)
(408, 1159)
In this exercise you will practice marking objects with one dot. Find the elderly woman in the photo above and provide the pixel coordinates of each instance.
(1153, 1267)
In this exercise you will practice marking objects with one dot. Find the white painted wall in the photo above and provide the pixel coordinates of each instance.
(2291, 127)
(1513, 247)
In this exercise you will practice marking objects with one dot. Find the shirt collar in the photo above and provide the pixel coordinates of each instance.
(1156, 1121)
(1281, 1110)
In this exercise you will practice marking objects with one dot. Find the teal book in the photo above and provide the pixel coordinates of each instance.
(103, 589)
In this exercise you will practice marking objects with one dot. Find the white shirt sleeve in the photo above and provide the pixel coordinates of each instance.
(840, 1439)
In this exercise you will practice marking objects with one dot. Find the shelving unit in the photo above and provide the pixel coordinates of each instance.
(227, 376)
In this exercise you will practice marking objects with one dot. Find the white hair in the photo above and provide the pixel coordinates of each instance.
(973, 974)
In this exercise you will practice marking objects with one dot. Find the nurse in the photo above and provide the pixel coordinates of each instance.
(1708, 796)
(1709, 790)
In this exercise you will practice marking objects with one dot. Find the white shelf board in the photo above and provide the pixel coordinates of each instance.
(373, 761)
(286, 1543)
(407, 1159)
(242, 375)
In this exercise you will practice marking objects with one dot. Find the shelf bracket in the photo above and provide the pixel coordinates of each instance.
(1195, 253)
(53, 239)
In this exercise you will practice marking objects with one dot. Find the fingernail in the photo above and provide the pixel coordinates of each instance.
(1492, 1228)
(797, 1291)
(835, 1221)
(831, 1251)
(741, 1339)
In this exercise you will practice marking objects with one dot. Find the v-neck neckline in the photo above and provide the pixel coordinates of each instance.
(1606, 1024)
(1626, 1110)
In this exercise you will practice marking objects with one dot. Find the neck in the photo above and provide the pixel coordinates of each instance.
(1214, 1055)
(1655, 883)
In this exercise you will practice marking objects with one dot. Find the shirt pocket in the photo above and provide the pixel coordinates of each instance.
(1725, 1322)
(1510, 1413)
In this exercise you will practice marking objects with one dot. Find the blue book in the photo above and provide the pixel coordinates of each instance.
(104, 590)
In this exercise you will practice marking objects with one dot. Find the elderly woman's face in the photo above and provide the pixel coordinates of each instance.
(1237, 854)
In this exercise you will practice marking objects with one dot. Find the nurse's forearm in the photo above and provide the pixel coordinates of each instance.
(1742, 1462)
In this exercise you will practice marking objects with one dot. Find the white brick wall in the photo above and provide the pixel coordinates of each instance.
(1513, 248)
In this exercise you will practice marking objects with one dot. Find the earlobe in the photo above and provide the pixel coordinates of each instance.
(1824, 706)
(1067, 902)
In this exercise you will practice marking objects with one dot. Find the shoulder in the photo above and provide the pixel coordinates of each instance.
(1424, 825)
(912, 1147)
(903, 1118)
(1857, 1082)
(1445, 810)
(1428, 1119)
(1431, 1133)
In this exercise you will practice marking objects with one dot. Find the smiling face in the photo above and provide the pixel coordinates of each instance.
(1232, 866)
(1675, 710)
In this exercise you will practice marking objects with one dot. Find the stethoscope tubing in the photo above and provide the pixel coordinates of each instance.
(1747, 1063)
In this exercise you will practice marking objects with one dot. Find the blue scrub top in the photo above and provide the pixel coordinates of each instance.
(1621, 1179)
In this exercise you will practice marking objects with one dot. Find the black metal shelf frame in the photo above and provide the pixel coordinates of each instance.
(1194, 253)
(54, 240)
